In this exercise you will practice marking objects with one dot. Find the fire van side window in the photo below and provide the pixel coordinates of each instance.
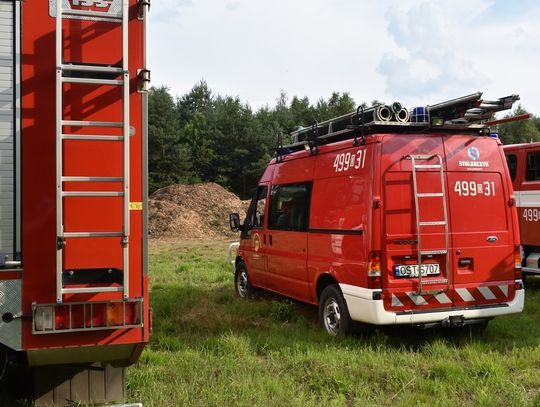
(511, 160)
(533, 166)
(258, 216)
(289, 207)
(255, 215)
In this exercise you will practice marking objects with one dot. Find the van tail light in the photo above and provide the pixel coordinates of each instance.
(374, 270)
(517, 261)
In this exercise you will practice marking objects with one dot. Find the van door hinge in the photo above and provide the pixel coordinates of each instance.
(144, 76)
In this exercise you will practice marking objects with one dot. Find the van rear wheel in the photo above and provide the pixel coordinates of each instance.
(242, 285)
(333, 312)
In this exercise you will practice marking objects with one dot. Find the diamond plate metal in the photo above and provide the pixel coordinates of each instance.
(10, 301)
(114, 11)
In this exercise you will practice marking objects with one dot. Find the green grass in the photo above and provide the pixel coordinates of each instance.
(210, 348)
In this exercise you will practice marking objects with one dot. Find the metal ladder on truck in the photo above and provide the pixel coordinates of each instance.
(420, 224)
(91, 74)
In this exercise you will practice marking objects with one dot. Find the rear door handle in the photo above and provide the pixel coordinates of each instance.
(465, 262)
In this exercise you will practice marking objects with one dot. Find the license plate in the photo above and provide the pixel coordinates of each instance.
(411, 270)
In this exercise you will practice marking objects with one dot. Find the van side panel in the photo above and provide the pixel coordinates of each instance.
(339, 219)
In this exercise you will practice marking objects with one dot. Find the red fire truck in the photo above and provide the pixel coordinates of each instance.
(385, 216)
(73, 136)
(524, 165)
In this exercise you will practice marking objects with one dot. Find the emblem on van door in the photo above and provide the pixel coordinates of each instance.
(474, 156)
(474, 153)
(492, 239)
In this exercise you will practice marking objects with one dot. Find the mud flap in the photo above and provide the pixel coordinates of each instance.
(63, 385)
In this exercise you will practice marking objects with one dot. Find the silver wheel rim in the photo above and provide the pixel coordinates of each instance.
(332, 316)
(242, 283)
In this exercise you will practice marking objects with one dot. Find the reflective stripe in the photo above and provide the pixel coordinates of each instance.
(465, 294)
(487, 293)
(417, 299)
(527, 199)
(504, 289)
(443, 298)
(396, 302)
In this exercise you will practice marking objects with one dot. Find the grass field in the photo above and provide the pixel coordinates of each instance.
(211, 348)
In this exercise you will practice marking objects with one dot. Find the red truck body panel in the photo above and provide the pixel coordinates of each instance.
(84, 41)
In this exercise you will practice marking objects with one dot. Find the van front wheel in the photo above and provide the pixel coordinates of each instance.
(242, 285)
(333, 312)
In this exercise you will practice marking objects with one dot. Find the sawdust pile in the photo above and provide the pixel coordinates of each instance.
(199, 211)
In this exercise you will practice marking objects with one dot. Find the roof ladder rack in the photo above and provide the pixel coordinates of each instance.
(84, 74)
(420, 224)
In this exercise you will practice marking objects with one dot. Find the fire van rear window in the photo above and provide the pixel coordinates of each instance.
(289, 207)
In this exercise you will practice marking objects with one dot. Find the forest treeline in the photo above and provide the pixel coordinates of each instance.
(205, 137)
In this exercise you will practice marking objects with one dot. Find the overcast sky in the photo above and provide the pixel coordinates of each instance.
(416, 52)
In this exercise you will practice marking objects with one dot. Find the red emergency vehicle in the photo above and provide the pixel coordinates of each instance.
(524, 165)
(73, 136)
(386, 217)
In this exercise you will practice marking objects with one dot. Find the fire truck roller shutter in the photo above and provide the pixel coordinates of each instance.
(7, 131)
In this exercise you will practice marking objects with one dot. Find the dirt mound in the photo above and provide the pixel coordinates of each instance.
(199, 211)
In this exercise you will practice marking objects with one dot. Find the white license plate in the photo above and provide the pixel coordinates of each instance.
(411, 270)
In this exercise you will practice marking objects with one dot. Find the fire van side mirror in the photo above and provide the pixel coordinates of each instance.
(234, 220)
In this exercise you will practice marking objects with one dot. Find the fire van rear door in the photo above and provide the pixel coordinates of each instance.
(400, 269)
(480, 220)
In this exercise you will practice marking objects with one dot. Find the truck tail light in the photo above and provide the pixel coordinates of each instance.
(374, 270)
(71, 317)
(517, 261)
(99, 315)
(77, 316)
(61, 317)
(115, 314)
(133, 313)
(43, 318)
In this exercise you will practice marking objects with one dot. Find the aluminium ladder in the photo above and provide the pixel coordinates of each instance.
(92, 75)
(420, 223)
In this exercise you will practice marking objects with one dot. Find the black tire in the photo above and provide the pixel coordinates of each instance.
(333, 312)
(242, 284)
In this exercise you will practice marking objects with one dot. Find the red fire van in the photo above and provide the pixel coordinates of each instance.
(386, 222)
(524, 165)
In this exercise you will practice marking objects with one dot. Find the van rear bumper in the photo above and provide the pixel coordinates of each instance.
(363, 308)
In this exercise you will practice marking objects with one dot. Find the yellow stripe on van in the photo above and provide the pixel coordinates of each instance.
(135, 206)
